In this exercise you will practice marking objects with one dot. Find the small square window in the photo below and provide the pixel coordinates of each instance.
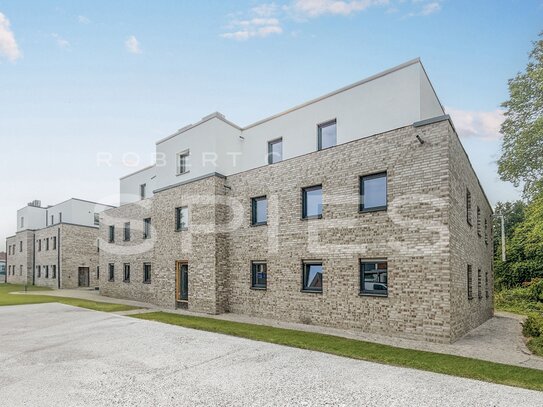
(275, 151)
(126, 274)
(181, 218)
(259, 210)
(312, 202)
(111, 272)
(374, 277)
(147, 228)
(259, 275)
(373, 192)
(312, 276)
(327, 134)
(147, 273)
(182, 163)
(126, 231)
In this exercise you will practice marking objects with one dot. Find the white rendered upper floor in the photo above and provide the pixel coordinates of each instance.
(74, 211)
(391, 99)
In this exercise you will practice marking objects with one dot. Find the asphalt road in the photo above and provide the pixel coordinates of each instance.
(57, 355)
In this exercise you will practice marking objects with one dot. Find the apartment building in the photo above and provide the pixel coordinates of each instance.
(358, 209)
(55, 246)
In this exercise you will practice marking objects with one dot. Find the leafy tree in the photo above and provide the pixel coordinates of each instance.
(522, 149)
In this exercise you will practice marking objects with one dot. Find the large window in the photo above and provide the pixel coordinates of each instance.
(327, 134)
(312, 202)
(126, 231)
(470, 282)
(147, 228)
(181, 218)
(275, 151)
(147, 273)
(312, 276)
(111, 272)
(373, 192)
(468, 206)
(374, 277)
(259, 275)
(259, 210)
(126, 273)
(182, 162)
(111, 234)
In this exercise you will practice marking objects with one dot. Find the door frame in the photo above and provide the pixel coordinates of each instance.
(83, 269)
(178, 265)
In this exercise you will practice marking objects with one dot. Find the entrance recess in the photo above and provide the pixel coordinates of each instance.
(181, 282)
(83, 280)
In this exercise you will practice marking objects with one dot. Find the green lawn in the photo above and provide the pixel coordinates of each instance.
(19, 299)
(432, 362)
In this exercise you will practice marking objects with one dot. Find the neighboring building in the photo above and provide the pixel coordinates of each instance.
(2, 267)
(55, 246)
(358, 210)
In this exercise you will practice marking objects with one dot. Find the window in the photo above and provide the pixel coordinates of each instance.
(470, 283)
(468, 206)
(259, 275)
(21, 270)
(312, 202)
(147, 228)
(53, 271)
(486, 231)
(39, 245)
(60, 217)
(143, 187)
(47, 243)
(111, 272)
(38, 270)
(486, 284)
(22, 221)
(126, 274)
(21, 246)
(52, 219)
(479, 221)
(374, 277)
(275, 151)
(46, 271)
(259, 210)
(327, 134)
(181, 218)
(54, 243)
(373, 192)
(96, 219)
(126, 231)
(111, 234)
(312, 276)
(182, 162)
(147, 273)
(97, 245)
(479, 284)
(98, 273)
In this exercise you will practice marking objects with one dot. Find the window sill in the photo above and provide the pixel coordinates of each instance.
(182, 230)
(372, 295)
(311, 291)
(259, 288)
(377, 209)
(311, 217)
(146, 282)
(110, 281)
(260, 224)
(182, 173)
(126, 281)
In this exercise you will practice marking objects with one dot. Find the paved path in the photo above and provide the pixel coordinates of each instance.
(57, 355)
(498, 340)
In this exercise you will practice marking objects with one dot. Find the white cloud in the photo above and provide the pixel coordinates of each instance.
(254, 27)
(83, 20)
(315, 8)
(425, 8)
(8, 46)
(430, 8)
(132, 45)
(61, 42)
(484, 125)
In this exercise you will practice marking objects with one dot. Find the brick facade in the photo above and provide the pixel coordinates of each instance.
(422, 235)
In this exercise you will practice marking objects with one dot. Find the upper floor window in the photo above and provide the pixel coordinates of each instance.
(97, 219)
(181, 218)
(470, 282)
(147, 228)
(312, 276)
(147, 273)
(54, 242)
(486, 231)
(111, 233)
(52, 219)
(468, 206)
(126, 231)
(22, 221)
(275, 151)
(60, 217)
(312, 202)
(143, 187)
(373, 192)
(479, 221)
(39, 245)
(373, 277)
(182, 162)
(259, 275)
(21, 246)
(259, 210)
(327, 134)
(47, 244)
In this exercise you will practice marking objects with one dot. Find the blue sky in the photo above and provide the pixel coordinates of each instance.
(80, 78)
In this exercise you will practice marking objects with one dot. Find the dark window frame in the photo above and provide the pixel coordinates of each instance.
(146, 273)
(469, 208)
(375, 175)
(146, 228)
(321, 126)
(470, 281)
(126, 232)
(304, 201)
(271, 143)
(254, 284)
(111, 272)
(111, 233)
(126, 267)
(254, 207)
(479, 284)
(143, 191)
(178, 226)
(305, 286)
(362, 290)
(478, 214)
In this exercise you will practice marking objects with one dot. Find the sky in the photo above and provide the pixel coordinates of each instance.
(83, 78)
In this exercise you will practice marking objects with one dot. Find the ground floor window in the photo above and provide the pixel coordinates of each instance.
(147, 273)
(111, 272)
(470, 282)
(126, 274)
(38, 269)
(312, 276)
(259, 275)
(53, 271)
(374, 277)
(46, 271)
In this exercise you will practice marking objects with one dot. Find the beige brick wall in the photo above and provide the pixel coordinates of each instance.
(22, 259)
(78, 248)
(46, 257)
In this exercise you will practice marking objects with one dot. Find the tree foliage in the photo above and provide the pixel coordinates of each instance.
(522, 149)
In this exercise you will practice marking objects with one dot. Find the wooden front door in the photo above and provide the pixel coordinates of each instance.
(181, 281)
(83, 277)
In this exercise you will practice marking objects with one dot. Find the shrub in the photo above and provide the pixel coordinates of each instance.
(533, 326)
(535, 288)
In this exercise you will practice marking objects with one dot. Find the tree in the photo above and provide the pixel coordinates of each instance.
(522, 149)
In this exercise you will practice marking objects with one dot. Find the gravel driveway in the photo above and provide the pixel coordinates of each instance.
(57, 355)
